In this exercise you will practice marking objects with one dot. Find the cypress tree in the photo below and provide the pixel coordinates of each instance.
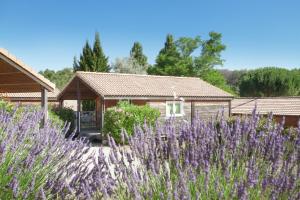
(93, 60)
(100, 61)
(136, 53)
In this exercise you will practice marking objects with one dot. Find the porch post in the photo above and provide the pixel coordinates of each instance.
(192, 111)
(101, 113)
(44, 104)
(78, 107)
(229, 108)
(98, 113)
(61, 103)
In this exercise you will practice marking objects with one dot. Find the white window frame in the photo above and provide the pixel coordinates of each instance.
(174, 108)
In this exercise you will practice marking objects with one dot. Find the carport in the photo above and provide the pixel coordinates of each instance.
(16, 77)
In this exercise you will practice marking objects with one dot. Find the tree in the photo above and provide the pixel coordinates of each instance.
(93, 60)
(217, 79)
(136, 53)
(176, 59)
(210, 56)
(233, 77)
(186, 45)
(100, 61)
(167, 60)
(129, 66)
(60, 77)
(270, 82)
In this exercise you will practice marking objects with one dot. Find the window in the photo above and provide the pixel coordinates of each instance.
(174, 108)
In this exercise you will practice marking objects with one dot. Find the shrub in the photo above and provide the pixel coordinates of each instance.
(193, 164)
(126, 116)
(36, 161)
(60, 116)
(4, 105)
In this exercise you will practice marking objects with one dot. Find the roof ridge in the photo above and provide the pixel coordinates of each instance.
(139, 75)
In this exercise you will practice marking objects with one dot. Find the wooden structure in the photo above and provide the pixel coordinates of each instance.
(16, 77)
(287, 107)
(162, 92)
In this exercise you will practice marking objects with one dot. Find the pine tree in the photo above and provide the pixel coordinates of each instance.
(136, 53)
(167, 60)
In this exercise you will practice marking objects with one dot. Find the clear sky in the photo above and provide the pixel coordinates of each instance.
(48, 34)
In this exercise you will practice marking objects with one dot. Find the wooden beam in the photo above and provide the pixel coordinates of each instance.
(78, 107)
(229, 108)
(61, 103)
(102, 113)
(16, 65)
(44, 104)
(98, 113)
(192, 111)
(17, 84)
(10, 73)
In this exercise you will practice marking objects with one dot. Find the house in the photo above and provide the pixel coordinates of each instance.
(17, 77)
(287, 107)
(179, 96)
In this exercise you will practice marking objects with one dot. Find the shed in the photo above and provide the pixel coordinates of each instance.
(288, 107)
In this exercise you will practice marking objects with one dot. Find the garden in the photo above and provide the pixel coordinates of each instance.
(244, 158)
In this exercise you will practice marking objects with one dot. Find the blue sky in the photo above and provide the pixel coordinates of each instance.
(48, 34)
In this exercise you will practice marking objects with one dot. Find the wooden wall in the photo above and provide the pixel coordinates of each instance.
(203, 109)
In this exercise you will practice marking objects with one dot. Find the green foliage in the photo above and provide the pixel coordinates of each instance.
(210, 54)
(176, 59)
(186, 46)
(269, 82)
(167, 61)
(93, 60)
(135, 64)
(6, 106)
(128, 66)
(136, 53)
(88, 105)
(215, 78)
(59, 116)
(126, 116)
(60, 77)
(233, 77)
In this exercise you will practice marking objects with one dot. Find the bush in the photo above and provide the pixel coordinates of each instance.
(4, 105)
(126, 116)
(35, 161)
(59, 116)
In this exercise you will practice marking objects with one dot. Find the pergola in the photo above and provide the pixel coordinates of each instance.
(16, 77)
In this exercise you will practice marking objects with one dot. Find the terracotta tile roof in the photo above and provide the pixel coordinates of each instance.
(276, 105)
(28, 70)
(133, 85)
(29, 95)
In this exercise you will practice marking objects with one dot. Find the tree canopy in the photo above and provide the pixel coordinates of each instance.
(177, 58)
(270, 82)
(92, 59)
(60, 77)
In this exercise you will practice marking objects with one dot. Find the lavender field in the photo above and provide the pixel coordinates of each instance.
(244, 159)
